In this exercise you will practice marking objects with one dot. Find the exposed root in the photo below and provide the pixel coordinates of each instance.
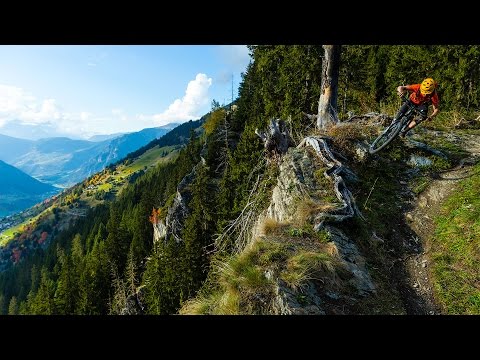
(348, 208)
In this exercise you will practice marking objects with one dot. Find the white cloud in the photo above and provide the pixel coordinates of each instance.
(13, 99)
(19, 107)
(84, 115)
(187, 108)
(121, 115)
(17, 104)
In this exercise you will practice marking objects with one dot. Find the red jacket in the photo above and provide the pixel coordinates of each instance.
(417, 98)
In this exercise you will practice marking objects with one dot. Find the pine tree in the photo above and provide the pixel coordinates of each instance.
(43, 303)
(164, 279)
(13, 306)
(117, 241)
(131, 273)
(2, 304)
(119, 298)
(198, 231)
(65, 294)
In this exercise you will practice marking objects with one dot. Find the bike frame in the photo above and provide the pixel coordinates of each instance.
(397, 125)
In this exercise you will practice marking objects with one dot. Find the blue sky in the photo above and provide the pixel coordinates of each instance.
(85, 90)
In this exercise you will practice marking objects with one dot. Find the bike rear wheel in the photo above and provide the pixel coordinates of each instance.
(386, 137)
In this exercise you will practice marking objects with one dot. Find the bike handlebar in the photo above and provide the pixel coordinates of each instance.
(405, 97)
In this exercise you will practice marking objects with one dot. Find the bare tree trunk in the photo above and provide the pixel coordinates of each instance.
(327, 104)
(276, 139)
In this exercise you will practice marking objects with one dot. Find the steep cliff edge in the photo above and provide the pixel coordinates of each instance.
(171, 226)
(335, 236)
(298, 261)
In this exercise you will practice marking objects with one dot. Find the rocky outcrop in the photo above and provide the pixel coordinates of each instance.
(419, 161)
(159, 230)
(298, 180)
(289, 302)
(135, 303)
(335, 171)
(295, 181)
(177, 213)
(353, 261)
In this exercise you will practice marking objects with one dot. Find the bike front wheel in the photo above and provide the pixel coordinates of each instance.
(385, 137)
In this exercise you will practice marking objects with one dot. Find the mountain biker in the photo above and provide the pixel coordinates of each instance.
(421, 96)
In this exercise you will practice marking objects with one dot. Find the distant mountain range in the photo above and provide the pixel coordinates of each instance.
(19, 191)
(29, 132)
(63, 162)
(97, 138)
(14, 180)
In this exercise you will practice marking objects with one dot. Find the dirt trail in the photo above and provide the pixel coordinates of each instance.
(421, 220)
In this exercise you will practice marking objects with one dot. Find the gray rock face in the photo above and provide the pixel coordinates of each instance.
(135, 303)
(350, 255)
(361, 151)
(419, 161)
(308, 300)
(159, 231)
(289, 302)
(176, 214)
(294, 181)
(335, 171)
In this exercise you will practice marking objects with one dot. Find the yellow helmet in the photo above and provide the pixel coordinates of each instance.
(427, 86)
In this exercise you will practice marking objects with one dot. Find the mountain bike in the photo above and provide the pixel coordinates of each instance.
(392, 131)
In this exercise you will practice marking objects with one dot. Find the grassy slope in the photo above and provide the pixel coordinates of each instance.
(113, 181)
(456, 249)
(455, 246)
(239, 284)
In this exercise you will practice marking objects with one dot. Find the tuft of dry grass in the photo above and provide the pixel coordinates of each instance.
(331, 249)
(454, 119)
(347, 131)
(308, 265)
(307, 209)
(216, 303)
(272, 227)
(241, 286)
(390, 108)
(345, 134)
(200, 305)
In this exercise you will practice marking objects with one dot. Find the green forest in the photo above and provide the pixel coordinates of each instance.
(96, 265)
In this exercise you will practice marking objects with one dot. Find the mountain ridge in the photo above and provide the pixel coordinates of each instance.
(19, 191)
(62, 161)
(13, 178)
